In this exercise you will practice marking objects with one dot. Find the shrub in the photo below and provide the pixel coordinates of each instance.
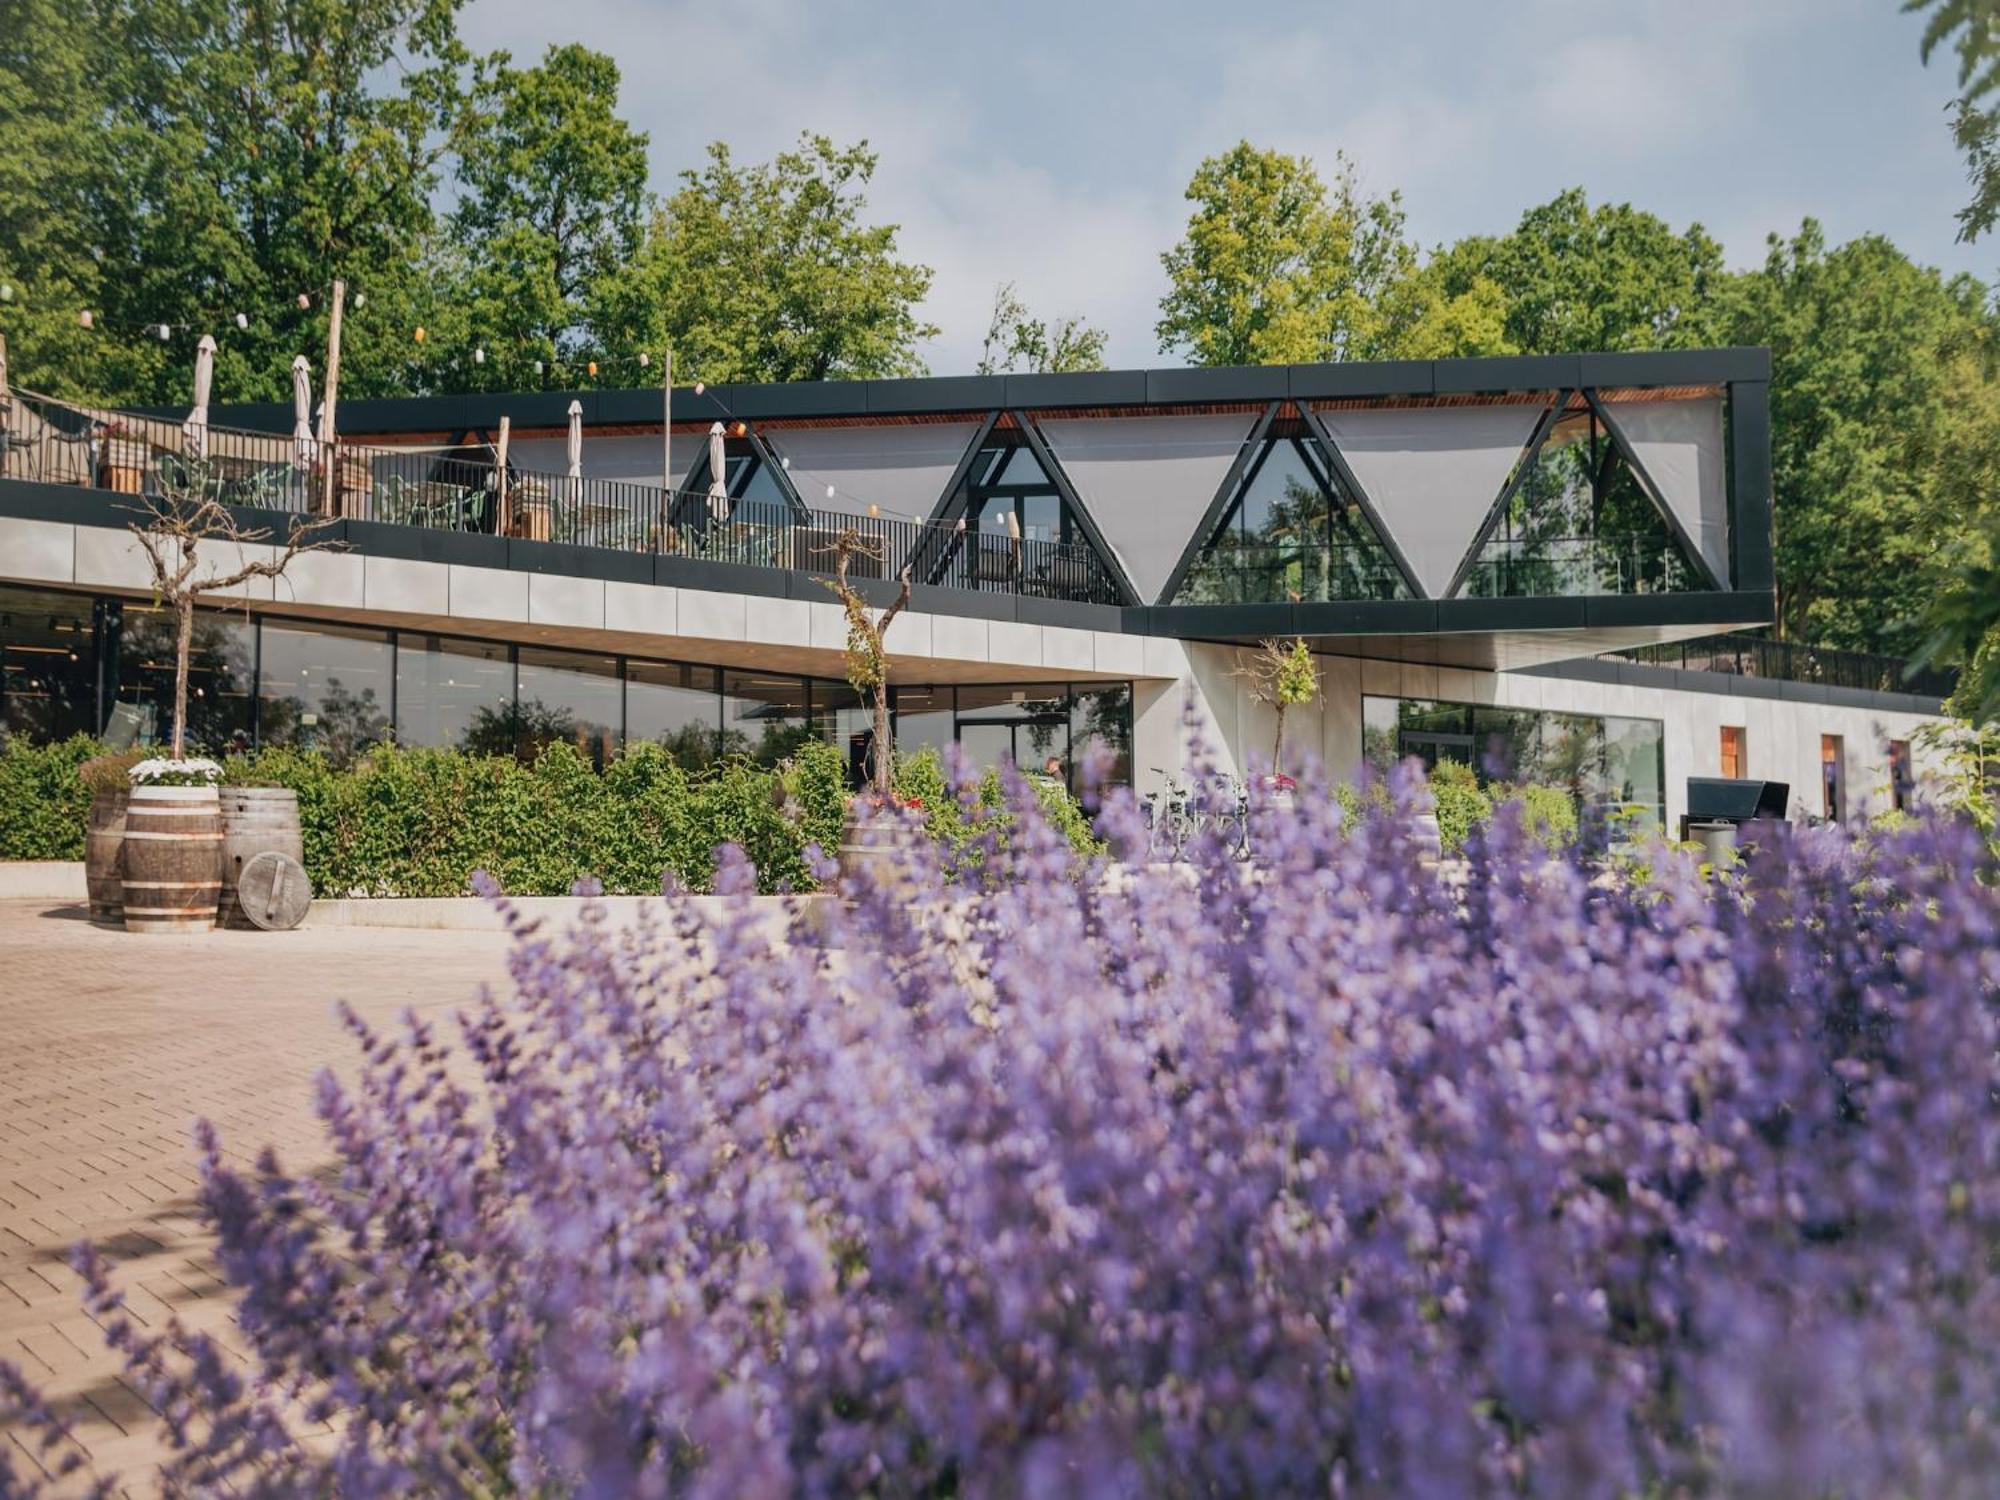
(815, 781)
(1462, 805)
(1548, 813)
(44, 804)
(1518, 1185)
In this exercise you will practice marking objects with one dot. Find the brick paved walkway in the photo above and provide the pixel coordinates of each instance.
(110, 1046)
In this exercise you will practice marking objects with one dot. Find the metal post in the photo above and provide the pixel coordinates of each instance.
(666, 451)
(328, 455)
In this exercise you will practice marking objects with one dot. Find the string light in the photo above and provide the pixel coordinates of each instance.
(304, 302)
(591, 369)
(243, 320)
(84, 319)
(165, 333)
(645, 360)
(699, 387)
(538, 367)
(479, 356)
(6, 292)
(420, 333)
(360, 301)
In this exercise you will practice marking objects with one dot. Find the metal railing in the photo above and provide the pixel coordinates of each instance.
(1573, 566)
(1754, 656)
(463, 490)
(1290, 574)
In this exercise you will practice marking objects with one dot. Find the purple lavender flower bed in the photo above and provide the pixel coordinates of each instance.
(1322, 1179)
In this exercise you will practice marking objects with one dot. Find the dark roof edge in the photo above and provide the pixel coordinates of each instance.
(944, 395)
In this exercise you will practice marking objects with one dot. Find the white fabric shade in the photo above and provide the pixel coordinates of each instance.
(195, 428)
(1432, 474)
(902, 469)
(718, 473)
(573, 453)
(303, 447)
(1147, 481)
(1679, 445)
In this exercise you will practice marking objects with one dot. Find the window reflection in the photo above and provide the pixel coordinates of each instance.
(455, 694)
(324, 687)
(220, 675)
(677, 707)
(570, 698)
(48, 664)
(765, 716)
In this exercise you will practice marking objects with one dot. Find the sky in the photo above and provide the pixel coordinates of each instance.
(1050, 144)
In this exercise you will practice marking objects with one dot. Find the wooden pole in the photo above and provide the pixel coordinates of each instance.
(326, 418)
(506, 525)
(3, 367)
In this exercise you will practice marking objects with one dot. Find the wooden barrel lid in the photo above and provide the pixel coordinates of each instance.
(273, 891)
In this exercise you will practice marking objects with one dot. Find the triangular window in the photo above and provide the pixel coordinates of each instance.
(1292, 533)
(1580, 521)
(1021, 533)
(752, 488)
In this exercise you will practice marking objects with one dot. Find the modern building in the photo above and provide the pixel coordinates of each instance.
(1548, 567)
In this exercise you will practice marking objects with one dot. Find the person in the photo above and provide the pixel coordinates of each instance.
(1052, 768)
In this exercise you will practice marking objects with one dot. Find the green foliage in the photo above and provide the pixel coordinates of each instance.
(1016, 341)
(1547, 812)
(1972, 27)
(1462, 804)
(1270, 271)
(44, 804)
(958, 828)
(815, 782)
(1572, 276)
(768, 273)
(553, 200)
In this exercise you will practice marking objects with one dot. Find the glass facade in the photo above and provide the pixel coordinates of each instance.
(1603, 762)
(74, 664)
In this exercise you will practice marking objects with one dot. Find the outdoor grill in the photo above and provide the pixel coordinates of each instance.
(1721, 801)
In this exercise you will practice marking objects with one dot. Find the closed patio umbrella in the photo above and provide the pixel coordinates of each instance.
(303, 447)
(195, 429)
(718, 472)
(575, 452)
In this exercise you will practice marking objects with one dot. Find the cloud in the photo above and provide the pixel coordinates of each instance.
(1049, 144)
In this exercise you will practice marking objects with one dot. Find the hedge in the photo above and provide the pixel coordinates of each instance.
(402, 822)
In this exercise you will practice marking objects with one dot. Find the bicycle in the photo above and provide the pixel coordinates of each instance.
(1170, 824)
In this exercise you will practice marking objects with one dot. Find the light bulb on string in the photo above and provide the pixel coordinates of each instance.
(360, 300)
(785, 462)
(699, 387)
(829, 492)
(6, 292)
(479, 356)
(84, 319)
(538, 367)
(591, 369)
(242, 320)
(304, 302)
(645, 360)
(420, 333)
(165, 332)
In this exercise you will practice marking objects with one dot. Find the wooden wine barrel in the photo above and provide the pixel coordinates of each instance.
(255, 819)
(104, 857)
(875, 845)
(173, 844)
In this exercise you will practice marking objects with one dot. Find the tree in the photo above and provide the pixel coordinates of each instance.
(1281, 676)
(1270, 271)
(177, 523)
(1972, 27)
(867, 661)
(223, 158)
(554, 194)
(1574, 277)
(1015, 341)
(1878, 397)
(769, 273)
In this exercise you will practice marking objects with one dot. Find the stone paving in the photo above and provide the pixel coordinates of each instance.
(111, 1045)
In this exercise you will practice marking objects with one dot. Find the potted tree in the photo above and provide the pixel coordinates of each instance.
(172, 857)
(1282, 677)
(878, 826)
